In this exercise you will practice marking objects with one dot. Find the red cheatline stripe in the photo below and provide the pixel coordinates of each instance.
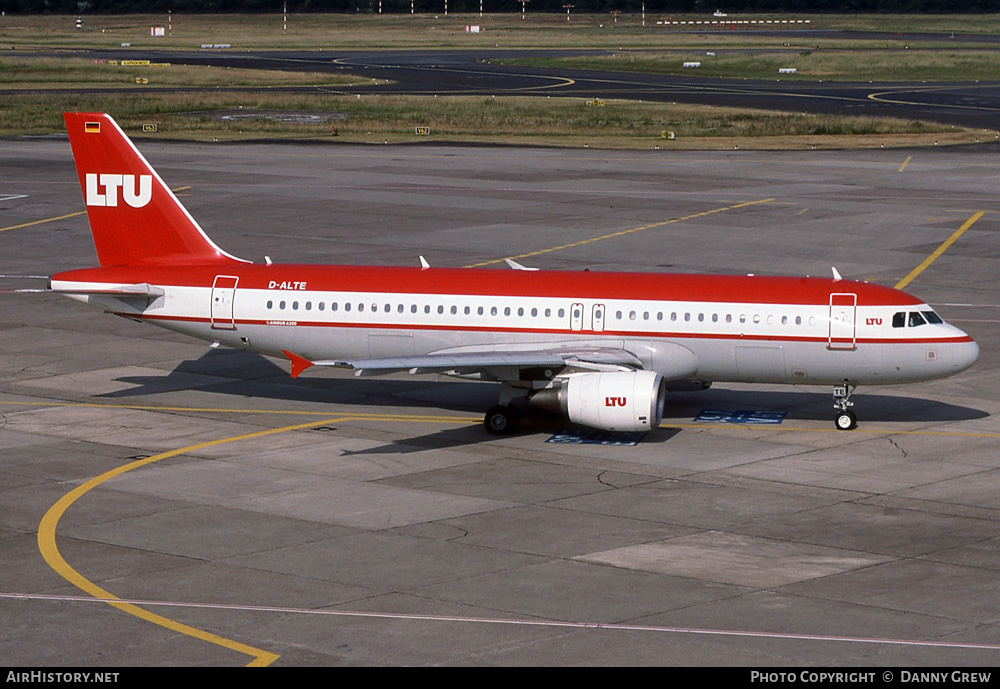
(556, 331)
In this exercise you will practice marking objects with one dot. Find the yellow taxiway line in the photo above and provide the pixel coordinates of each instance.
(62, 217)
(940, 250)
(621, 233)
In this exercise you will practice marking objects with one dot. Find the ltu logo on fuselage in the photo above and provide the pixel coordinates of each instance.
(135, 195)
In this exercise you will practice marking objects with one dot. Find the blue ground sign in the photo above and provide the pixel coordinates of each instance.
(585, 436)
(740, 416)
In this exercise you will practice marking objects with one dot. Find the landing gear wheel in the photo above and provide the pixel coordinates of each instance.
(846, 420)
(501, 420)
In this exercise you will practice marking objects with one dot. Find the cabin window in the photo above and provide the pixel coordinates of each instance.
(743, 318)
(493, 310)
(440, 309)
(480, 310)
(687, 317)
(506, 311)
(520, 311)
(659, 315)
(673, 316)
(729, 318)
(333, 306)
(715, 318)
(631, 315)
(784, 320)
(321, 305)
(468, 310)
(618, 315)
(295, 306)
(309, 306)
(270, 304)
(645, 315)
(347, 306)
(701, 317)
(756, 318)
(562, 313)
(534, 312)
(454, 310)
(798, 320)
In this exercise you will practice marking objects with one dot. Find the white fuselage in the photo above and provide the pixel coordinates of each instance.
(797, 343)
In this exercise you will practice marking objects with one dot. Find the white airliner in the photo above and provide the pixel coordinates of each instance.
(599, 348)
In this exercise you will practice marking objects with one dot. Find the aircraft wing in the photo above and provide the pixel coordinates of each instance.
(492, 365)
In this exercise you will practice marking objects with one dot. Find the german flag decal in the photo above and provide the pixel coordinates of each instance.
(92, 127)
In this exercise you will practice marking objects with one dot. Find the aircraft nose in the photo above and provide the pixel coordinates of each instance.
(964, 355)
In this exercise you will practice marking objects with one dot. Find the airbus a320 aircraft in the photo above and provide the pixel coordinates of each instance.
(602, 349)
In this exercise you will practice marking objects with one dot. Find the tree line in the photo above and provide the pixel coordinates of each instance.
(665, 7)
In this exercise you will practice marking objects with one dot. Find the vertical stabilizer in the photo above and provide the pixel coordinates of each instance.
(134, 217)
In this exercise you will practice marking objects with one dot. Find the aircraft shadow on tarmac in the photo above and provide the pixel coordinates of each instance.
(248, 375)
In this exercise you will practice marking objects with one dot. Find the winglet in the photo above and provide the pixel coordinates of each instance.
(299, 364)
(517, 266)
(424, 265)
(836, 274)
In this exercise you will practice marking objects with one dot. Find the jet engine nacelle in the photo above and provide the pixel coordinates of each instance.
(613, 401)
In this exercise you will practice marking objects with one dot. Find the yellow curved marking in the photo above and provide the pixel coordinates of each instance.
(50, 521)
(879, 96)
(50, 551)
(565, 81)
(621, 233)
(940, 250)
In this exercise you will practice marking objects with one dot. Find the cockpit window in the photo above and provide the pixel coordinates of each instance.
(899, 319)
(932, 317)
(916, 319)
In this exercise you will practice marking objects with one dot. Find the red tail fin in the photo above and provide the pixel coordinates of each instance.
(134, 216)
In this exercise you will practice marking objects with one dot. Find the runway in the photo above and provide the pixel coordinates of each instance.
(235, 516)
(483, 72)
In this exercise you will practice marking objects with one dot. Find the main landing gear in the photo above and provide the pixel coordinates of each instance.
(505, 417)
(502, 419)
(845, 419)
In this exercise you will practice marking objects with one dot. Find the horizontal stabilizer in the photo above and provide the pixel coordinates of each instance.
(143, 289)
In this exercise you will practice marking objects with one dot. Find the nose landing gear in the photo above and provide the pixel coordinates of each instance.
(844, 419)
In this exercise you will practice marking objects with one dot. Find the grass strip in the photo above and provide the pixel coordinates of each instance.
(471, 119)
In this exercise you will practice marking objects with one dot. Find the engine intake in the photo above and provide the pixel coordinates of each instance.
(613, 401)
